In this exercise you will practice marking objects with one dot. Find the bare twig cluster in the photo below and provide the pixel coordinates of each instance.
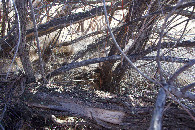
(116, 37)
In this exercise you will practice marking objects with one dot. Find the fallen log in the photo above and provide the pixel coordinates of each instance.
(98, 109)
(108, 112)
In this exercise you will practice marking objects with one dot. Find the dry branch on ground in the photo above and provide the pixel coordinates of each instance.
(125, 64)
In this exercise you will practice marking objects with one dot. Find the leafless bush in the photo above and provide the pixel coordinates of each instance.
(126, 47)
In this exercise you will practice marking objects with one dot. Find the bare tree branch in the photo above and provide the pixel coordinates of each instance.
(164, 25)
(167, 59)
(179, 94)
(172, 45)
(80, 38)
(186, 13)
(117, 57)
(59, 23)
(62, 22)
(185, 27)
(65, 21)
(186, 88)
(118, 47)
(179, 71)
(79, 64)
(19, 38)
(156, 121)
(9, 33)
(37, 39)
(164, 45)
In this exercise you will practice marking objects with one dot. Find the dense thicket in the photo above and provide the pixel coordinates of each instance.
(112, 64)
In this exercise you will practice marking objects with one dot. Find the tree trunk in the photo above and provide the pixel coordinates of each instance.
(111, 78)
(24, 47)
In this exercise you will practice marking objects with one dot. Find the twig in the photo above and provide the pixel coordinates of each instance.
(160, 39)
(167, 59)
(186, 26)
(178, 93)
(186, 88)
(9, 33)
(179, 71)
(19, 39)
(37, 39)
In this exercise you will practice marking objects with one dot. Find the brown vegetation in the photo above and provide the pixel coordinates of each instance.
(125, 64)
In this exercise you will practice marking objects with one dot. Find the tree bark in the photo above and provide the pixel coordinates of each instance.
(156, 121)
(24, 47)
(110, 77)
(111, 112)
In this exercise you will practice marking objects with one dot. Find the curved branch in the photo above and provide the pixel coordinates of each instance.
(82, 63)
(118, 47)
(179, 71)
(186, 88)
(164, 26)
(19, 38)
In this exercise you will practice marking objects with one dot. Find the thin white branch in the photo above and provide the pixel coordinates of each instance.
(19, 38)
